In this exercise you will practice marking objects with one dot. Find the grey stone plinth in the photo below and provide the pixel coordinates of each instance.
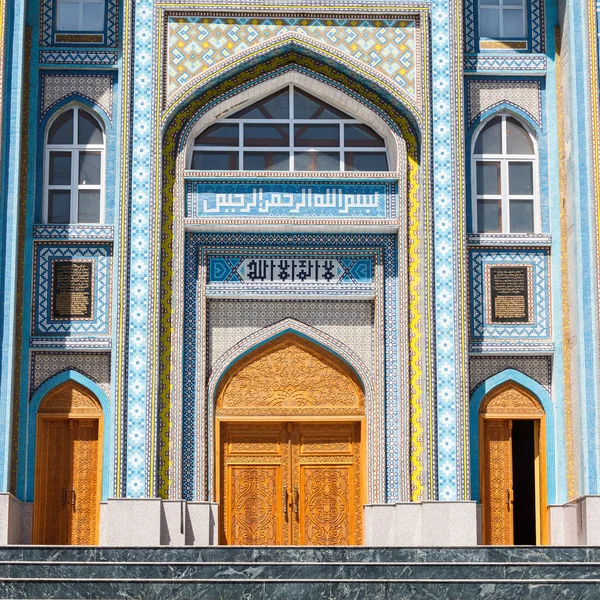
(576, 523)
(421, 524)
(156, 522)
(10, 520)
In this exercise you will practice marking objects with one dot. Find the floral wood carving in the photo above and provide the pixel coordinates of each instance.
(70, 397)
(512, 400)
(288, 376)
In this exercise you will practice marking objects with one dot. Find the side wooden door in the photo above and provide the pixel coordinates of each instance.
(67, 482)
(497, 488)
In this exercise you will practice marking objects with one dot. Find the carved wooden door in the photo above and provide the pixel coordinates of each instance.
(497, 498)
(66, 494)
(291, 483)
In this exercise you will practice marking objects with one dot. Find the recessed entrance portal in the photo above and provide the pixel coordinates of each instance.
(290, 435)
(513, 474)
(68, 469)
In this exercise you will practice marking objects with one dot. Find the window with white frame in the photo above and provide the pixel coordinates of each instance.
(505, 178)
(289, 130)
(74, 169)
(80, 15)
(502, 19)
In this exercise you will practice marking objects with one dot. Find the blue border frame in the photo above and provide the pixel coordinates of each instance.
(546, 401)
(26, 473)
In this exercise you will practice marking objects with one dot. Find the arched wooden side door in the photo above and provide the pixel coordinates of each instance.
(501, 410)
(68, 467)
(290, 448)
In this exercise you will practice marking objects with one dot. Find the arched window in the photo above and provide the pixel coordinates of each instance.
(502, 19)
(505, 178)
(289, 130)
(74, 173)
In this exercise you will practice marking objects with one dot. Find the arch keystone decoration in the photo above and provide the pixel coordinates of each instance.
(290, 376)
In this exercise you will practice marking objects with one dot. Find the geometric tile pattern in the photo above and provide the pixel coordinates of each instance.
(388, 46)
(95, 365)
(45, 254)
(350, 322)
(96, 88)
(481, 329)
(538, 368)
(78, 57)
(503, 62)
(74, 232)
(485, 94)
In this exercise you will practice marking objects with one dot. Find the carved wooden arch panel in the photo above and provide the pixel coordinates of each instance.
(510, 399)
(290, 376)
(71, 398)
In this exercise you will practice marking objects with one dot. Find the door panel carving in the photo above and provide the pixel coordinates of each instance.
(498, 482)
(291, 483)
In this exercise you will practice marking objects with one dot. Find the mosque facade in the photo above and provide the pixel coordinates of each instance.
(299, 273)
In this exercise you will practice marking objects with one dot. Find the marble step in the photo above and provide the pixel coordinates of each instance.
(149, 589)
(231, 554)
(299, 570)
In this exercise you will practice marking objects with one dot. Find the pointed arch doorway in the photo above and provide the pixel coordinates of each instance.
(68, 467)
(512, 438)
(290, 459)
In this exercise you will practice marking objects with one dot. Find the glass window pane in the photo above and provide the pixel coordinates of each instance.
(309, 107)
(266, 161)
(518, 140)
(488, 215)
(520, 179)
(521, 216)
(90, 168)
(512, 2)
(221, 134)
(316, 136)
(215, 161)
(93, 16)
(489, 22)
(366, 161)
(266, 135)
(488, 178)
(61, 131)
(489, 140)
(59, 206)
(513, 23)
(275, 106)
(68, 16)
(317, 161)
(361, 135)
(89, 206)
(59, 168)
(89, 129)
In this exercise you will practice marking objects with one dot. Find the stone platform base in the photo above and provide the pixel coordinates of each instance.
(576, 523)
(422, 524)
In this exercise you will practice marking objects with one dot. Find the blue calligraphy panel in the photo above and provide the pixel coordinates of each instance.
(290, 270)
(292, 200)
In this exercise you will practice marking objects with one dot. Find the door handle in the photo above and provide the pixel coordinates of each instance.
(285, 502)
(64, 496)
(508, 498)
(73, 500)
(296, 499)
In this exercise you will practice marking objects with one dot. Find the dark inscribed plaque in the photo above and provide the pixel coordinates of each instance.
(72, 289)
(509, 294)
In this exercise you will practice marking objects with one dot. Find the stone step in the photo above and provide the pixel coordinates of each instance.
(298, 570)
(269, 589)
(287, 554)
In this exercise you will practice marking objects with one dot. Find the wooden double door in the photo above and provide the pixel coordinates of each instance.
(290, 483)
(67, 482)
